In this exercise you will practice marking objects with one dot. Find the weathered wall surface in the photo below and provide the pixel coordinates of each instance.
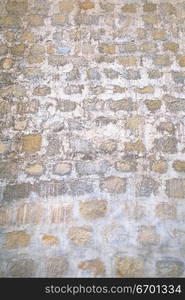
(92, 143)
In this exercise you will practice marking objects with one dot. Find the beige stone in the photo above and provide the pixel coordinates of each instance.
(159, 35)
(80, 236)
(147, 235)
(58, 19)
(113, 184)
(20, 124)
(149, 7)
(146, 90)
(127, 60)
(66, 6)
(31, 143)
(35, 59)
(127, 267)
(93, 209)
(162, 60)
(18, 50)
(7, 63)
(171, 46)
(94, 266)
(134, 123)
(35, 170)
(35, 20)
(28, 36)
(175, 188)
(128, 165)
(150, 19)
(85, 5)
(50, 240)
(182, 61)
(179, 165)
(3, 147)
(166, 211)
(147, 47)
(17, 239)
(129, 8)
(153, 105)
(137, 146)
(62, 168)
(37, 49)
(159, 166)
(108, 146)
(107, 49)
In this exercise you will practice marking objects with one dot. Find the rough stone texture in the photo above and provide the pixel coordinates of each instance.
(92, 147)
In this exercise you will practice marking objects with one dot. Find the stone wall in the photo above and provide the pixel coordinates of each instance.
(92, 142)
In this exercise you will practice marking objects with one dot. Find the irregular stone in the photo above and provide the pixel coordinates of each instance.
(57, 60)
(31, 143)
(147, 235)
(136, 146)
(3, 149)
(129, 267)
(59, 20)
(108, 146)
(178, 77)
(175, 188)
(59, 214)
(7, 63)
(149, 7)
(166, 144)
(159, 166)
(107, 49)
(37, 50)
(126, 165)
(17, 7)
(179, 165)
(80, 187)
(56, 267)
(35, 20)
(147, 187)
(86, 5)
(3, 49)
(113, 184)
(94, 266)
(147, 47)
(35, 170)
(125, 104)
(166, 126)
(93, 209)
(62, 168)
(42, 91)
(16, 191)
(93, 74)
(129, 8)
(10, 21)
(169, 267)
(127, 61)
(150, 20)
(50, 240)
(171, 46)
(154, 74)
(67, 105)
(17, 239)
(66, 6)
(165, 211)
(182, 61)
(153, 105)
(8, 169)
(73, 89)
(21, 268)
(162, 60)
(80, 236)
(111, 74)
(134, 123)
(159, 35)
(146, 90)
(89, 168)
(29, 214)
